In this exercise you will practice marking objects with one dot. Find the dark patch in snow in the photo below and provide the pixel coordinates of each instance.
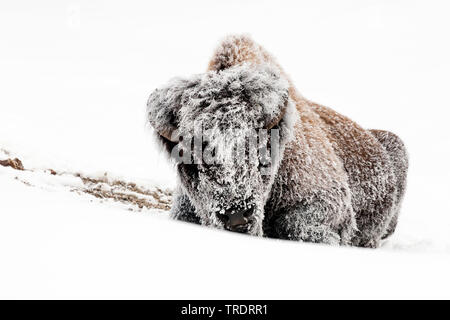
(128, 193)
(13, 163)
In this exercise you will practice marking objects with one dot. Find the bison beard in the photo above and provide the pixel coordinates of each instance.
(331, 181)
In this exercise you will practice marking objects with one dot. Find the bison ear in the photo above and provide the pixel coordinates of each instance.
(164, 104)
(267, 88)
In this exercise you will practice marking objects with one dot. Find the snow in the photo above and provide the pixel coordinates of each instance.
(75, 79)
(57, 245)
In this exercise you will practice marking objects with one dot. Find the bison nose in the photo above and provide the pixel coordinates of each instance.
(233, 219)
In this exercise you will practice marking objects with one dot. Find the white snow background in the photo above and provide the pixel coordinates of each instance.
(74, 80)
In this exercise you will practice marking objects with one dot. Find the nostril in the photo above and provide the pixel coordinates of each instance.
(234, 218)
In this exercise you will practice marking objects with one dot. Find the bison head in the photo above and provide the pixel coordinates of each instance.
(226, 131)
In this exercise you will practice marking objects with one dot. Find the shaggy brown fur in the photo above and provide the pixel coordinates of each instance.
(357, 176)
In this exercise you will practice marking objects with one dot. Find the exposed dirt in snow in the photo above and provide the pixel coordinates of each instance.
(13, 163)
(105, 188)
(127, 192)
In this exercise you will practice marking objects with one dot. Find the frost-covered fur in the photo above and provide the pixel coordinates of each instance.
(228, 106)
(332, 181)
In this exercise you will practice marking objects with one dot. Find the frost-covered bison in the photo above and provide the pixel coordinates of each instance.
(327, 180)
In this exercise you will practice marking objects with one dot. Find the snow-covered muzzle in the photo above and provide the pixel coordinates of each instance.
(229, 175)
(226, 132)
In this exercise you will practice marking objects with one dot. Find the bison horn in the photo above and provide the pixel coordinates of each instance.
(167, 134)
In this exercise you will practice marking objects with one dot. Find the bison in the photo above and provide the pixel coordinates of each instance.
(317, 175)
